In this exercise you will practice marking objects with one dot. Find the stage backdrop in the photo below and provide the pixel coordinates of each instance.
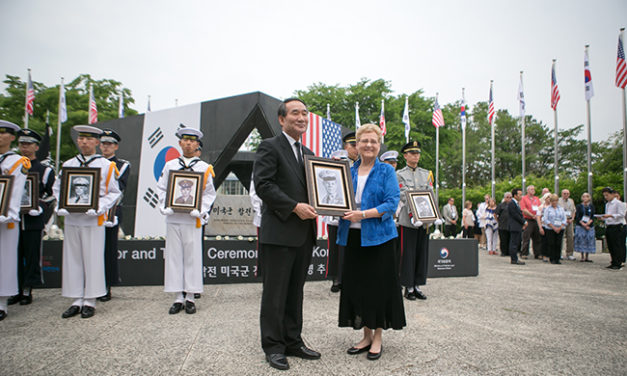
(159, 145)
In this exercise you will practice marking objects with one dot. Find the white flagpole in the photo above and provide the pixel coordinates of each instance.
(522, 137)
(556, 151)
(26, 102)
(56, 158)
(382, 112)
(492, 130)
(463, 150)
(589, 124)
(437, 160)
(620, 36)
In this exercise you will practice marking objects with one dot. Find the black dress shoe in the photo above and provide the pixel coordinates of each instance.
(420, 295)
(374, 356)
(72, 311)
(2, 315)
(518, 262)
(278, 361)
(196, 295)
(14, 299)
(336, 288)
(87, 311)
(26, 299)
(190, 307)
(303, 352)
(106, 297)
(409, 295)
(176, 308)
(355, 350)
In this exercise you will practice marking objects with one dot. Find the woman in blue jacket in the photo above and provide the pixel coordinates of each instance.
(371, 296)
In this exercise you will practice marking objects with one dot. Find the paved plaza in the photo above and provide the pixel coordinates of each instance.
(537, 319)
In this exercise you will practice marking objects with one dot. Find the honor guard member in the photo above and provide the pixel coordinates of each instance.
(390, 157)
(350, 145)
(17, 166)
(83, 277)
(335, 256)
(415, 239)
(33, 222)
(109, 144)
(183, 246)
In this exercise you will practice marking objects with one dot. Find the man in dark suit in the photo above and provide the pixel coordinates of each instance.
(287, 235)
(516, 224)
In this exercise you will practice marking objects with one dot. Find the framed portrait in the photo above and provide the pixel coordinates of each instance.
(30, 197)
(184, 191)
(6, 187)
(80, 189)
(330, 185)
(422, 205)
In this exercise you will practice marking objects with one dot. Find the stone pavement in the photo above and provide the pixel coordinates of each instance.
(537, 319)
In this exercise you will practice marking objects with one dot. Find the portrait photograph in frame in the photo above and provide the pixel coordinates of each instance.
(6, 187)
(422, 205)
(30, 197)
(80, 189)
(329, 185)
(184, 191)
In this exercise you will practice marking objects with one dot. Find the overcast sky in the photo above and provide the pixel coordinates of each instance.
(195, 51)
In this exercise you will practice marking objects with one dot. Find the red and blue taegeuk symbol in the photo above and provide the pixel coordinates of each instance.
(444, 253)
(166, 154)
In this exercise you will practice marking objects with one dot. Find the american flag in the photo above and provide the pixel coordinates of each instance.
(555, 91)
(93, 110)
(438, 118)
(491, 106)
(323, 137)
(30, 96)
(621, 67)
(382, 120)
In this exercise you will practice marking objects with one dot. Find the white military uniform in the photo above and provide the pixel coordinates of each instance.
(83, 246)
(16, 166)
(183, 245)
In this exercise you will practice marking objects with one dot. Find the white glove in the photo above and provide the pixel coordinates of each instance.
(91, 213)
(62, 212)
(416, 222)
(4, 219)
(166, 211)
(438, 222)
(195, 213)
(113, 223)
(35, 212)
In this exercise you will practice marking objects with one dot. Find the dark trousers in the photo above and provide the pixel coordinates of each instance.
(532, 232)
(504, 242)
(414, 256)
(468, 233)
(553, 244)
(284, 273)
(615, 235)
(450, 230)
(29, 259)
(335, 256)
(514, 244)
(112, 273)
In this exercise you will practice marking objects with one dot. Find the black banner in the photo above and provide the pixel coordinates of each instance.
(453, 258)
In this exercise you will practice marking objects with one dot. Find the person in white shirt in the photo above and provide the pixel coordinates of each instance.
(568, 205)
(183, 245)
(83, 268)
(481, 216)
(614, 218)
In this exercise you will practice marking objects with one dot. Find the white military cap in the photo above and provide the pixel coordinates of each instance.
(391, 155)
(8, 127)
(87, 131)
(189, 134)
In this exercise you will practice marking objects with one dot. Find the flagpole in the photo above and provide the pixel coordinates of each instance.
(463, 155)
(589, 124)
(556, 151)
(437, 161)
(492, 129)
(522, 144)
(383, 113)
(624, 143)
(26, 103)
(56, 158)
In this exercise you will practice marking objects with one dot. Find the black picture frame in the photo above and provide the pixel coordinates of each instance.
(80, 189)
(422, 205)
(30, 197)
(6, 187)
(329, 185)
(184, 191)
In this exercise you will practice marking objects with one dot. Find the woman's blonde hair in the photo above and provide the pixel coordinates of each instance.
(554, 197)
(367, 128)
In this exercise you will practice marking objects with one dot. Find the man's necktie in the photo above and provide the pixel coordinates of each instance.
(299, 153)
